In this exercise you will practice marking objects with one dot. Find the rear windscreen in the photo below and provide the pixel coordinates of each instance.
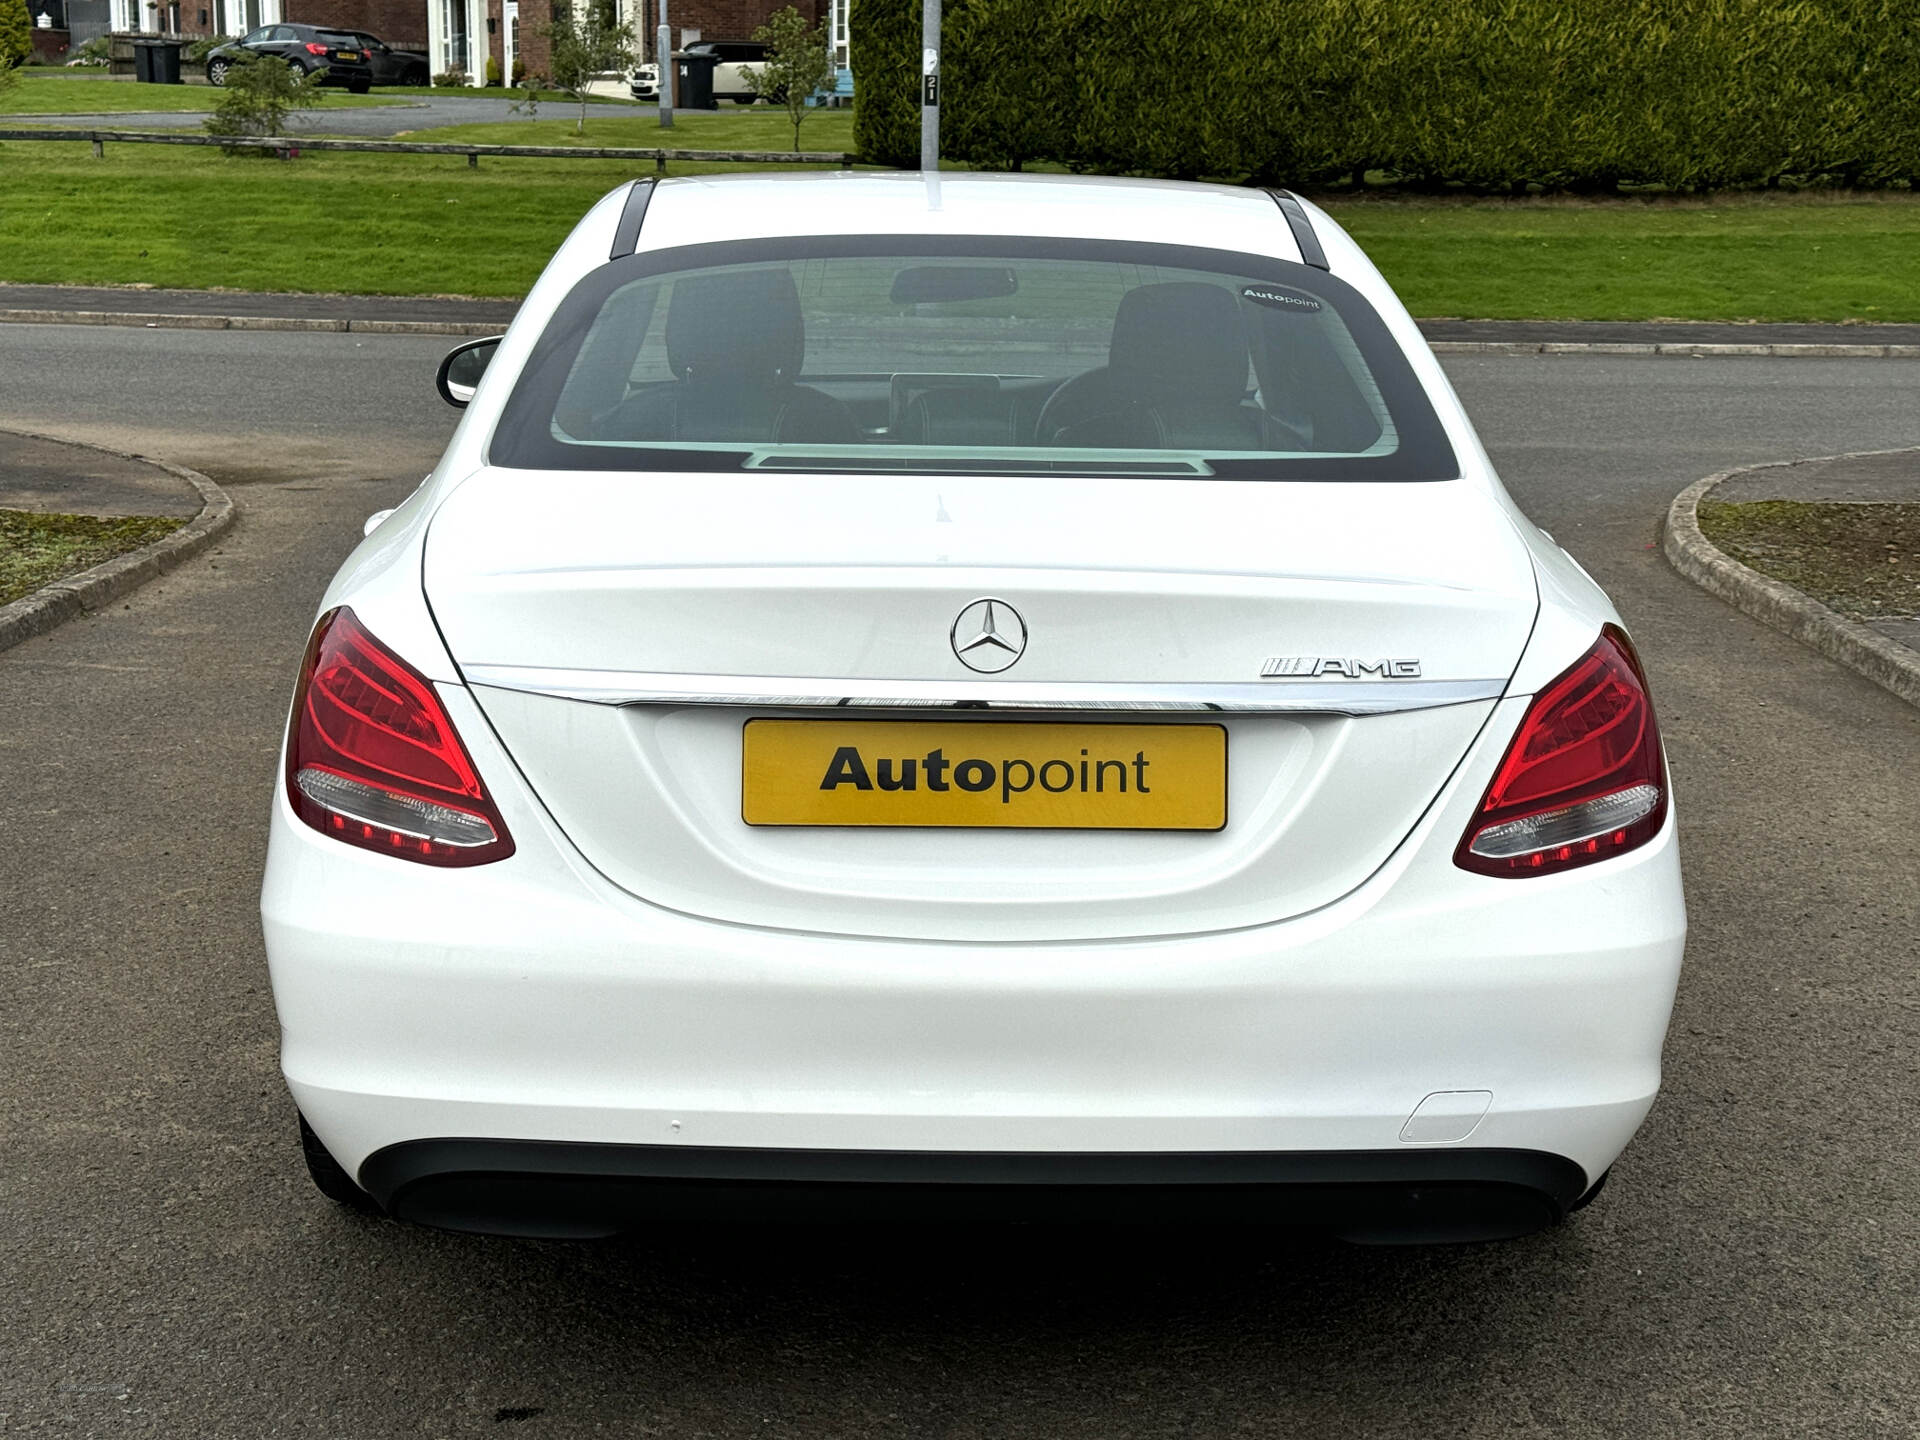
(970, 355)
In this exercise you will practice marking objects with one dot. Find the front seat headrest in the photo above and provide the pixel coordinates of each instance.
(742, 325)
(1184, 340)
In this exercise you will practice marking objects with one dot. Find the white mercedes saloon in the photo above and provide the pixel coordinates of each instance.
(970, 696)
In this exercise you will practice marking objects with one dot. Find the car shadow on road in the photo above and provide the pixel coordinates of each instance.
(1053, 1330)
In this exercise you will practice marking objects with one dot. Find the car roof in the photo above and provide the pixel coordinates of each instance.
(697, 209)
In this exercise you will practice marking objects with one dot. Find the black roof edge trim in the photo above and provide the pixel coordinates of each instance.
(626, 235)
(1302, 228)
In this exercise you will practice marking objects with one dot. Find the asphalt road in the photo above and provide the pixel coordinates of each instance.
(1752, 1269)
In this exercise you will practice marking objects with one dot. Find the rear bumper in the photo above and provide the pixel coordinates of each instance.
(533, 1001)
(562, 1191)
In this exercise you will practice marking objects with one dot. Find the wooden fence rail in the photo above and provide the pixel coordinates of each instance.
(284, 144)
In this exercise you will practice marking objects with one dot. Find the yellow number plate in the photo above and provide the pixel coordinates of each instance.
(1017, 774)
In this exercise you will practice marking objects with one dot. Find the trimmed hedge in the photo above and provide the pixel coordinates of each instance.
(1491, 94)
(16, 34)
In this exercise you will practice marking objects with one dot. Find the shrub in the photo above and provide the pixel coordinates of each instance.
(798, 63)
(583, 47)
(196, 51)
(97, 51)
(493, 70)
(1487, 94)
(454, 78)
(885, 56)
(260, 93)
(16, 34)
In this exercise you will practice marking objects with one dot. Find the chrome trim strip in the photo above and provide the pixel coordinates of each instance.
(779, 692)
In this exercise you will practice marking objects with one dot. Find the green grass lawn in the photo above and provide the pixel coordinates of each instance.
(418, 224)
(367, 224)
(55, 94)
(761, 128)
(1812, 256)
(494, 92)
(38, 549)
(1862, 560)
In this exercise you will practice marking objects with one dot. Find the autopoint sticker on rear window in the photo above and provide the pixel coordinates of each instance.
(1279, 298)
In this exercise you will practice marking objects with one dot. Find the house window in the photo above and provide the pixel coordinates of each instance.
(453, 29)
(241, 16)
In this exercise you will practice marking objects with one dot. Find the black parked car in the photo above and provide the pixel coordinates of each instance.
(304, 47)
(393, 66)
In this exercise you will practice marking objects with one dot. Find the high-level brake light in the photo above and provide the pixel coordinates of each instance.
(1582, 781)
(373, 758)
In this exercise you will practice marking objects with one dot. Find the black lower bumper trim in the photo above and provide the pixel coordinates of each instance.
(571, 1190)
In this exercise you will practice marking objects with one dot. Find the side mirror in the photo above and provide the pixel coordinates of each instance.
(460, 372)
(374, 521)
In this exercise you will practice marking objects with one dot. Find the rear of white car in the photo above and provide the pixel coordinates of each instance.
(1006, 695)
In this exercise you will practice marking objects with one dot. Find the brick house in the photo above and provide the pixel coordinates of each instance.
(89, 19)
(401, 23)
(465, 34)
(713, 19)
(454, 33)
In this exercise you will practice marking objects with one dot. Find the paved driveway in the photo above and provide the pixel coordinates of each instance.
(1751, 1271)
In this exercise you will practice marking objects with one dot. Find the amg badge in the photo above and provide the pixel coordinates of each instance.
(1301, 667)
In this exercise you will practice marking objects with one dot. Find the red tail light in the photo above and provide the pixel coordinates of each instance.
(313, 49)
(1582, 781)
(373, 758)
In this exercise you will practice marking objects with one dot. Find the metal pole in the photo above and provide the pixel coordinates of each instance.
(663, 57)
(929, 84)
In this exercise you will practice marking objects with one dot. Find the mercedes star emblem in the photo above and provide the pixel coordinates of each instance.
(989, 635)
